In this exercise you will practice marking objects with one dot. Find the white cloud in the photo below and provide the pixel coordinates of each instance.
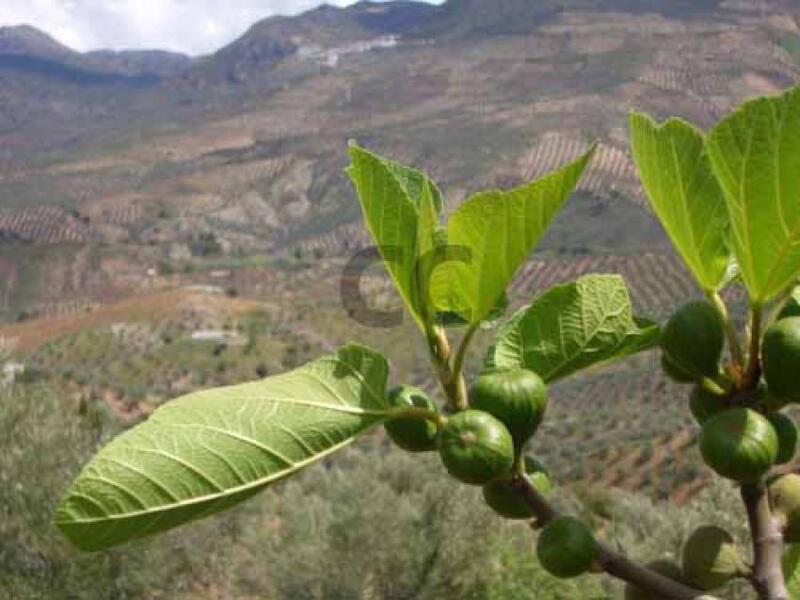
(191, 26)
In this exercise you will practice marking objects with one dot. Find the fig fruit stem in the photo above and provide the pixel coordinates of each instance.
(610, 561)
(730, 331)
(767, 574)
(753, 371)
(416, 412)
(453, 385)
(463, 347)
(712, 386)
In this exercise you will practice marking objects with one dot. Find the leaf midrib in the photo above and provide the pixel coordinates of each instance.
(164, 508)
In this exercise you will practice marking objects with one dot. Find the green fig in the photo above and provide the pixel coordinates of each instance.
(705, 404)
(692, 342)
(566, 547)
(739, 444)
(414, 435)
(506, 501)
(784, 496)
(476, 447)
(711, 559)
(518, 397)
(786, 431)
(780, 353)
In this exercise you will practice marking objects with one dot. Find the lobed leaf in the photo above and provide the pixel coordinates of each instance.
(498, 230)
(683, 191)
(571, 327)
(209, 450)
(755, 154)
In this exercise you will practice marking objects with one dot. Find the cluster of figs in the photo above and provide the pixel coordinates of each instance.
(484, 445)
(743, 432)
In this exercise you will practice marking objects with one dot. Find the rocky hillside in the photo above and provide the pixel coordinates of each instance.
(143, 159)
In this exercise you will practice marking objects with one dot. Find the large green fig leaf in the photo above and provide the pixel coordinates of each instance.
(209, 450)
(401, 208)
(571, 327)
(499, 230)
(755, 154)
(685, 194)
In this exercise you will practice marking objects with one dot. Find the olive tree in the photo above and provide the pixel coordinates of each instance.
(729, 201)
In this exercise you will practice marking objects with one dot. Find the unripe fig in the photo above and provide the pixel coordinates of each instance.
(566, 547)
(414, 435)
(790, 309)
(664, 567)
(675, 372)
(739, 444)
(780, 353)
(692, 341)
(786, 430)
(475, 447)
(705, 404)
(506, 501)
(771, 402)
(518, 397)
(711, 559)
(784, 496)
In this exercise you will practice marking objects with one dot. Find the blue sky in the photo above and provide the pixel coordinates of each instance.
(190, 26)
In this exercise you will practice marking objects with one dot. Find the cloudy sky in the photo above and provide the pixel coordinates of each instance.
(191, 26)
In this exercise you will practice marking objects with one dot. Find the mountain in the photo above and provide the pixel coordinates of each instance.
(25, 48)
(322, 29)
(24, 40)
(160, 63)
(48, 91)
(51, 95)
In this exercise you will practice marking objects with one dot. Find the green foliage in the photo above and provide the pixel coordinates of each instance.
(572, 327)
(43, 442)
(401, 210)
(426, 546)
(755, 154)
(210, 450)
(684, 193)
(498, 230)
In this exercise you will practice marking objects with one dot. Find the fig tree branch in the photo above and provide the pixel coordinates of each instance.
(767, 577)
(610, 561)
